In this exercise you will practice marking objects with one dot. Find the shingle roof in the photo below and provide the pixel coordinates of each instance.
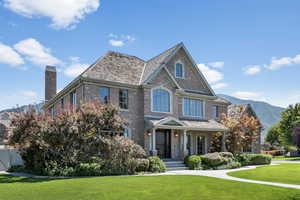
(157, 61)
(116, 67)
(123, 68)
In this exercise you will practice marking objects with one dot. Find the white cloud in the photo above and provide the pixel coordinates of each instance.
(116, 43)
(211, 75)
(252, 70)
(248, 95)
(219, 85)
(28, 93)
(119, 41)
(36, 53)
(75, 68)
(10, 56)
(63, 13)
(218, 64)
(277, 63)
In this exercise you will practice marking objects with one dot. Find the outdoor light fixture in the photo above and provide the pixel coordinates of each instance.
(149, 133)
(176, 134)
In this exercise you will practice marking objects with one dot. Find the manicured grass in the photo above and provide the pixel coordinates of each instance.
(285, 158)
(283, 173)
(137, 188)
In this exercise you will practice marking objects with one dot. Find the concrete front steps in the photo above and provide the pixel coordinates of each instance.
(174, 165)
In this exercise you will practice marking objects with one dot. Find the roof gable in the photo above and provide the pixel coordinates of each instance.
(153, 67)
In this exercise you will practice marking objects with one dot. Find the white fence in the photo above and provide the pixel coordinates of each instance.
(8, 158)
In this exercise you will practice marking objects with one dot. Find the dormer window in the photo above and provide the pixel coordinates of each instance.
(179, 70)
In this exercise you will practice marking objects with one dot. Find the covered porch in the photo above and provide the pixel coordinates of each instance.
(171, 138)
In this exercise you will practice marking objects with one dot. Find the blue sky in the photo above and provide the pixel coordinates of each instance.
(248, 49)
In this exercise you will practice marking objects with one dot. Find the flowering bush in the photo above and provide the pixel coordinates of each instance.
(49, 145)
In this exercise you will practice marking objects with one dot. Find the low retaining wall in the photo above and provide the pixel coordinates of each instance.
(8, 158)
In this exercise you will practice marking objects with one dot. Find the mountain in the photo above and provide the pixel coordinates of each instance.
(4, 114)
(267, 113)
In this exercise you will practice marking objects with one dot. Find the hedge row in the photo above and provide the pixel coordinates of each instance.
(225, 160)
(150, 164)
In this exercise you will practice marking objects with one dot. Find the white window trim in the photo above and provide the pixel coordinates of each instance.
(203, 107)
(183, 74)
(171, 99)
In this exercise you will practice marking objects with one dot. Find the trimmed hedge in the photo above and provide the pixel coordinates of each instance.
(156, 164)
(254, 159)
(193, 162)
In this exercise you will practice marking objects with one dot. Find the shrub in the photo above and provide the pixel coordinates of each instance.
(156, 164)
(88, 169)
(221, 160)
(212, 159)
(254, 159)
(193, 162)
(142, 165)
(58, 146)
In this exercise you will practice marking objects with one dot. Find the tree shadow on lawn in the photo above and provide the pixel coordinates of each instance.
(5, 178)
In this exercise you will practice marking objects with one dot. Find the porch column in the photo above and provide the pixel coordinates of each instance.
(153, 148)
(185, 152)
(223, 148)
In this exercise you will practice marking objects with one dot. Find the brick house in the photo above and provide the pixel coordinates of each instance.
(171, 109)
(235, 111)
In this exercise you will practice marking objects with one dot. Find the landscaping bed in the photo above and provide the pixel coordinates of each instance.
(138, 187)
(283, 173)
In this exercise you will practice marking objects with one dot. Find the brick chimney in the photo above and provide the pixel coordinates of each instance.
(50, 82)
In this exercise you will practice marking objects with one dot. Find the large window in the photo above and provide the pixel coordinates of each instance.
(179, 70)
(192, 107)
(123, 99)
(104, 94)
(161, 100)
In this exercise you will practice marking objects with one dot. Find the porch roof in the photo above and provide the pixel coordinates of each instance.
(174, 123)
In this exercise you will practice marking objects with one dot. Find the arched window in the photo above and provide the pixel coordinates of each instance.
(179, 70)
(161, 100)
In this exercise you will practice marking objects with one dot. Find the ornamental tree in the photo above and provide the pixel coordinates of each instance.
(242, 132)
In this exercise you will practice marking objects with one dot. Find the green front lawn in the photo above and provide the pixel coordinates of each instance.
(285, 158)
(283, 173)
(138, 187)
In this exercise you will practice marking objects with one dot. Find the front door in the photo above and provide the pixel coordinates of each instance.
(200, 141)
(163, 143)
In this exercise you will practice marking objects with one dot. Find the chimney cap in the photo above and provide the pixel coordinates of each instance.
(50, 68)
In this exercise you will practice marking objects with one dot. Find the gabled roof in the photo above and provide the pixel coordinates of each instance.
(116, 67)
(154, 63)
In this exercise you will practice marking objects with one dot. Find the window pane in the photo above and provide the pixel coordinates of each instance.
(161, 100)
(104, 94)
(192, 107)
(123, 99)
(179, 70)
